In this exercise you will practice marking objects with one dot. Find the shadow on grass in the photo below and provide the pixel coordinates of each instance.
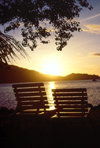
(49, 134)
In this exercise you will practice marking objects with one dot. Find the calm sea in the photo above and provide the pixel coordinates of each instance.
(7, 98)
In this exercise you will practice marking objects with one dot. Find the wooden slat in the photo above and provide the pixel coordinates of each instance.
(71, 102)
(69, 90)
(27, 85)
(30, 103)
(30, 94)
(30, 98)
(31, 107)
(71, 106)
(32, 111)
(69, 94)
(34, 103)
(71, 114)
(28, 89)
(73, 110)
(28, 107)
(71, 98)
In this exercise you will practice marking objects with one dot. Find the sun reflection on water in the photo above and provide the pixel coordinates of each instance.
(51, 101)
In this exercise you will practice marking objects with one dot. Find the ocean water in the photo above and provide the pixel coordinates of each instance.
(7, 98)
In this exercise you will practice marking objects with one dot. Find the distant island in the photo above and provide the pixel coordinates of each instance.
(17, 75)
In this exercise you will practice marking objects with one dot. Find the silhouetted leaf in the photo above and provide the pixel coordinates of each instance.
(35, 17)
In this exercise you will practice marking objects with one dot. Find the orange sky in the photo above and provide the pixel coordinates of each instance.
(81, 55)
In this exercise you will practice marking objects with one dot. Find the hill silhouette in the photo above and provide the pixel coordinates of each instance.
(17, 74)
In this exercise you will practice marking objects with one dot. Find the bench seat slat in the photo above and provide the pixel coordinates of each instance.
(69, 94)
(71, 114)
(31, 107)
(73, 110)
(30, 94)
(30, 98)
(71, 106)
(28, 89)
(70, 90)
(30, 111)
(72, 102)
(72, 98)
(27, 85)
(33, 103)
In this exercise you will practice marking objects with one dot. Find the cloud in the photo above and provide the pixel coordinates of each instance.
(92, 28)
(94, 54)
(92, 17)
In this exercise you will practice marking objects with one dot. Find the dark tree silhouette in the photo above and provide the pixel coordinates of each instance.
(8, 46)
(36, 17)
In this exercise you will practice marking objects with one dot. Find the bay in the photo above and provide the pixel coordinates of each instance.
(7, 98)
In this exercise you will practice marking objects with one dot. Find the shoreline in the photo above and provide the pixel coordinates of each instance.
(46, 81)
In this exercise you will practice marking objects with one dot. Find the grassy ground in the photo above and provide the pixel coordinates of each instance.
(50, 134)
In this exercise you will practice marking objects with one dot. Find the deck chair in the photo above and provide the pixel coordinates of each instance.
(71, 103)
(31, 101)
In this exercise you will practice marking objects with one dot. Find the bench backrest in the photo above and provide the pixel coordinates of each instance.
(70, 102)
(31, 97)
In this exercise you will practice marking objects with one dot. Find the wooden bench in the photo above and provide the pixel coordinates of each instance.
(31, 99)
(70, 103)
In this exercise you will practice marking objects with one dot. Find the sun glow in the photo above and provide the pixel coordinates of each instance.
(51, 68)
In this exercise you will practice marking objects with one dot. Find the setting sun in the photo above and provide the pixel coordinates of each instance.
(51, 68)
